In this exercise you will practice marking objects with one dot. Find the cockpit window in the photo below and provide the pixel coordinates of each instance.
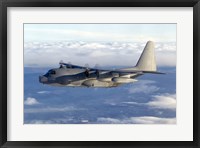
(50, 72)
(53, 72)
(47, 74)
(69, 66)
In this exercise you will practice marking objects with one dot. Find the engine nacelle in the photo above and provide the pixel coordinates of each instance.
(95, 83)
(105, 79)
(123, 80)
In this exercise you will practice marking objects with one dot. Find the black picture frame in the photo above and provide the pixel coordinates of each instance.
(4, 4)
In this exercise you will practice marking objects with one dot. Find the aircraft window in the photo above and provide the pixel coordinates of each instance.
(53, 72)
(47, 74)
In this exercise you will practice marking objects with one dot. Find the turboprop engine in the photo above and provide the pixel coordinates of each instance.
(95, 83)
(123, 80)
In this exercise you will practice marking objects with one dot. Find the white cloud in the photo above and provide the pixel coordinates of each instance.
(166, 101)
(144, 86)
(52, 121)
(138, 120)
(31, 101)
(166, 58)
(102, 120)
(40, 122)
(52, 109)
(43, 92)
(105, 54)
(132, 103)
(65, 120)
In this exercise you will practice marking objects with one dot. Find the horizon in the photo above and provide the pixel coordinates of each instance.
(104, 44)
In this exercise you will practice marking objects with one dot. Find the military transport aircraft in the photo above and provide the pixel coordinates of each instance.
(74, 75)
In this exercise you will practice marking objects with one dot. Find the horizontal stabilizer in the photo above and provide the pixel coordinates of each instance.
(153, 72)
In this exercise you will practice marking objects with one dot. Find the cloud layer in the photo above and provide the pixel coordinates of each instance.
(138, 120)
(31, 101)
(144, 86)
(52, 109)
(163, 101)
(166, 101)
(105, 54)
(102, 120)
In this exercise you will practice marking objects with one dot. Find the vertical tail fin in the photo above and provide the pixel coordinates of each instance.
(147, 60)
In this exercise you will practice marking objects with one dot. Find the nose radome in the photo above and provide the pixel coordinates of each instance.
(42, 79)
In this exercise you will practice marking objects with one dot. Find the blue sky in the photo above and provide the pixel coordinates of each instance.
(100, 32)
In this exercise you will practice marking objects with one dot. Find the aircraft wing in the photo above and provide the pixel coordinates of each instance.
(111, 71)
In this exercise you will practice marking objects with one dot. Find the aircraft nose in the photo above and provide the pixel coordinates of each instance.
(43, 79)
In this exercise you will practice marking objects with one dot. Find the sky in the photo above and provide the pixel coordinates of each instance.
(100, 32)
(102, 44)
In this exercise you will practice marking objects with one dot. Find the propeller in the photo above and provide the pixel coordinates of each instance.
(61, 63)
(87, 66)
(87, 70)
(97, 66)
(69, 65)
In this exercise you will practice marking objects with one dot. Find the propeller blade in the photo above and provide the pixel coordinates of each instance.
(97, 73)
(61, 61)
(87, 66)
(97, 66)
(69, 65)
(87, 73)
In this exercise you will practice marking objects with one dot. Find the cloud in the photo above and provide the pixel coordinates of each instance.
(132, 103)
(43, 92)
(39, 122)
(102, 120)
(166, 101)
(52, 121)
(65, 120)
(103, 53)
(31, 101)
(144, 86)
(138, 120)
(52, 109)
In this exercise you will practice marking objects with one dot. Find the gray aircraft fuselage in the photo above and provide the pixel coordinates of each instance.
(79, 77)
